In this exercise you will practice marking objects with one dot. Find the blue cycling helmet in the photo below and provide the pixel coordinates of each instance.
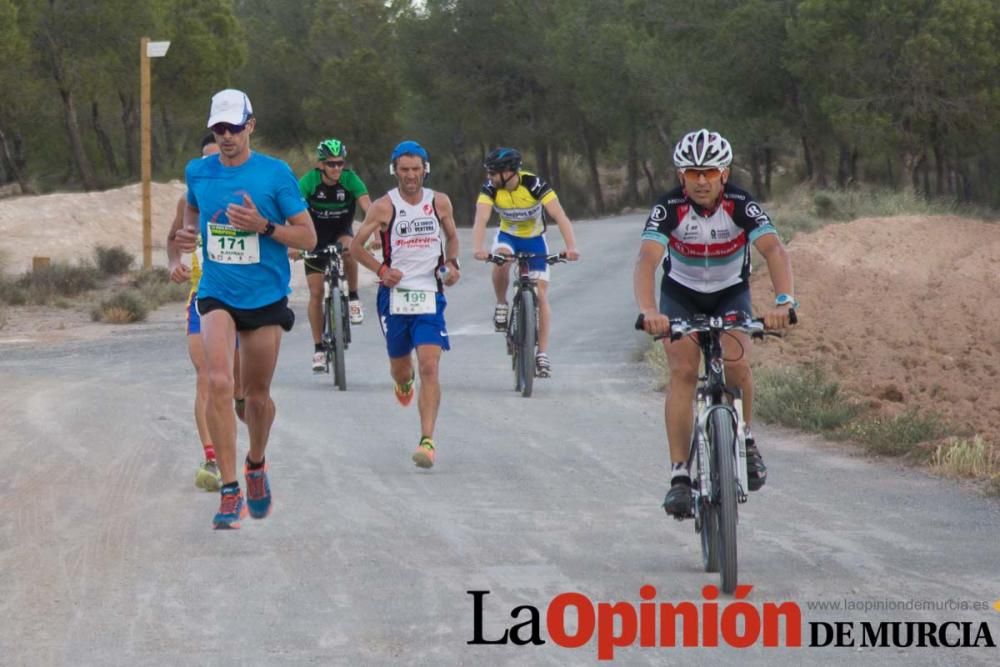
(408, 148)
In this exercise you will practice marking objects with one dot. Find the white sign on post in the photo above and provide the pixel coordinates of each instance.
(157, 49)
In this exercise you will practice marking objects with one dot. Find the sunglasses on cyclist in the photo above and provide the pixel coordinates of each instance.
(709, 174)
(222, 128)
(334, 164)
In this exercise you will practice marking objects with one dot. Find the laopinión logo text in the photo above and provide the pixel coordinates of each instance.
(736, 623)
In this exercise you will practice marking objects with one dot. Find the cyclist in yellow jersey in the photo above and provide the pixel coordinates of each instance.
(208, 476)
(519, 198)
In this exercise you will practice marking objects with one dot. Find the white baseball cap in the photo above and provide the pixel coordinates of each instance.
(230, 106)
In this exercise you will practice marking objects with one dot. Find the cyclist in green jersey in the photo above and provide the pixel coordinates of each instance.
(332, 193)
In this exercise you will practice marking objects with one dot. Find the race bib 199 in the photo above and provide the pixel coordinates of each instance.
(228, 245)
(412, 301)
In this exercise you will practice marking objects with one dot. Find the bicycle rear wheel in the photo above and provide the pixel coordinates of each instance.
(529, 331)
(337, 338)
(722, 437)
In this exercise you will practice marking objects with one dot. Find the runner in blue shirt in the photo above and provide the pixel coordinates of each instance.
(248, 210)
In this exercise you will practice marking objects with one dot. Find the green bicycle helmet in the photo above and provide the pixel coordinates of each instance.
(331, 148)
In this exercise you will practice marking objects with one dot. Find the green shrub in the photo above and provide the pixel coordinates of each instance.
(825, 206)
(58, 280)
(157, 275)
(155, 289)
(11, 294)
(898, 435)
(113, 261)
(801, 397)
(121, 308)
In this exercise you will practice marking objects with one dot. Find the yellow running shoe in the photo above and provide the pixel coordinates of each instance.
(208, 476)
(424, 456)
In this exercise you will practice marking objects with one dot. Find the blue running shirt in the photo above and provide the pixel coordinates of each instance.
(274, 190)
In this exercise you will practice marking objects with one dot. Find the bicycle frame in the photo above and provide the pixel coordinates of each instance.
(333, 272)
(521, 337)
(718, 442)
(524, 283)
(336, 323)
(711, 395)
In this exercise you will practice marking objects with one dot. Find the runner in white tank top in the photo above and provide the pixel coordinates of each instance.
(416, 225)
(412, 242)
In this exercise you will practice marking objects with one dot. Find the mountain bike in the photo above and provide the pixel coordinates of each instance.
(336, 310)
(717, 459)
(522, 323)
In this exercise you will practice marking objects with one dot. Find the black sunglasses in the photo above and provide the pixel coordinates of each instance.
(333, 164)
(222, 128)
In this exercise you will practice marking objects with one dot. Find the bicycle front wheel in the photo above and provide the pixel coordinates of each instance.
(345, 309)
(708, 512)
(722, 439)
(708, 515)
(529, 331)
(337, 338)
(514, 341)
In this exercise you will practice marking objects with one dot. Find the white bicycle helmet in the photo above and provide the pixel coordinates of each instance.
(703, 149)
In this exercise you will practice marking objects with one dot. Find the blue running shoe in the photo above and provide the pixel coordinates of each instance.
(258, 492)
(231, 510)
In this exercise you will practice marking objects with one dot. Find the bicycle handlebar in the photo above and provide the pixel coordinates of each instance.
(733, 321)
(500, 260)
(322, 253)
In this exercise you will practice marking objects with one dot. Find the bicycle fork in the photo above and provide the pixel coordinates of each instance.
(735, 414)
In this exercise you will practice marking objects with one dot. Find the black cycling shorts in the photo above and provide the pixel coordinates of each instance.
(676, 300)
(328, 235)
(277, 313)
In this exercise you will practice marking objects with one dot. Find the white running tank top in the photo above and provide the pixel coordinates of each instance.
(415, 241)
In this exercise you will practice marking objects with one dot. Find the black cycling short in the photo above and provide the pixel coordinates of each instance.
(676, 300)
(329, 234)
(277, 313)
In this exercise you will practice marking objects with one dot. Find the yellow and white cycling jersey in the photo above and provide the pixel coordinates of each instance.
(520, 210)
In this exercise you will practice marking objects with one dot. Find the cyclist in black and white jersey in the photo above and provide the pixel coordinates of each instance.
(702, 231)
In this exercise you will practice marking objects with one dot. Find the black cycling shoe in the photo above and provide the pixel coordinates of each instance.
(756, 470)
(678, 501)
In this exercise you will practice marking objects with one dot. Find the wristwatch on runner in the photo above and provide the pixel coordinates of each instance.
(454, 262)
(269, 229)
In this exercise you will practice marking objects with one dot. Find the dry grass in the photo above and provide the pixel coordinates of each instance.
(121, 308)
(967, 458)
(114, 315)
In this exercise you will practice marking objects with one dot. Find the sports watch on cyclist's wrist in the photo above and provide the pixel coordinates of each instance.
(269, 229)
(786, 300)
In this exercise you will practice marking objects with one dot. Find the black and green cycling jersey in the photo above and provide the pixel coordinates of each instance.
(332, 207)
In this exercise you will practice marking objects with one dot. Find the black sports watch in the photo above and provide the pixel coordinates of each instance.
(454, 262)
(269, 229)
